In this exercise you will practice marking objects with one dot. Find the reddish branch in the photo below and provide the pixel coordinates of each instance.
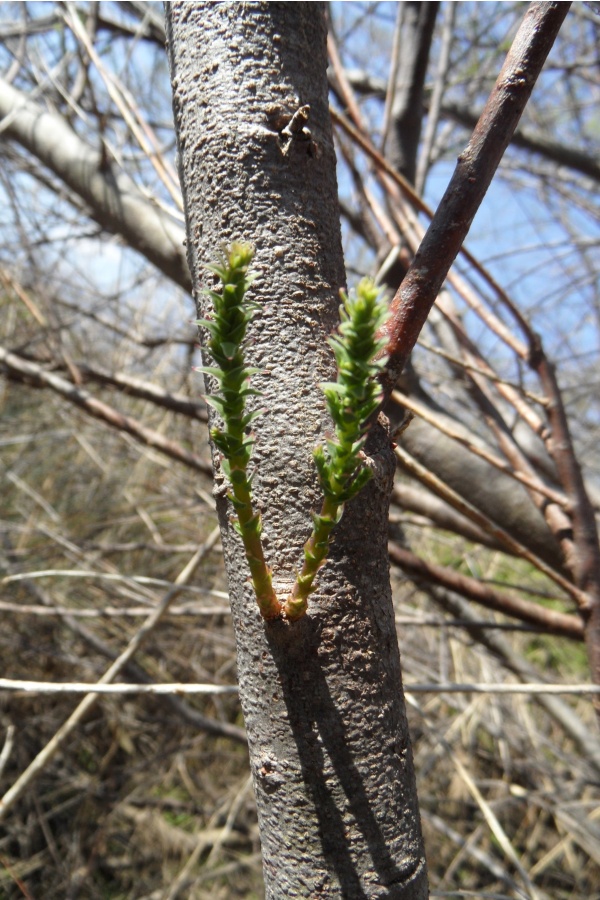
(438, 250)
(548, 620)
(586, 561)
(472, 177)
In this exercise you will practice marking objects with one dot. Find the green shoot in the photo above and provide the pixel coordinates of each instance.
(227, 328)
(351, 401)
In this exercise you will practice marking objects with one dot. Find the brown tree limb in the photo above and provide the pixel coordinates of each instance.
(144, 390)
(585, 531)
(581, 550)
(36, 375)
(365, 144)
(468, 186)
(551, 621)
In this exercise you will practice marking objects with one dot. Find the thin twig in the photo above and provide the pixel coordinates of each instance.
(31, 609)
(425, 476)
(433, 687)
(468, 186)
(530, 481)
(7, 747)
(140, 129)
(103, 576)
(38, 764)
(36, 374)
(485, 372)
(75, 687)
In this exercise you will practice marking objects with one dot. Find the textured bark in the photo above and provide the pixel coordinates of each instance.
(322, 698)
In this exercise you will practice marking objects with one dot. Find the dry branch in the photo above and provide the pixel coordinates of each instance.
(35, 374)
(45, 755)
(474, 172)
(549, 620)
(159, 689)
(113, 198)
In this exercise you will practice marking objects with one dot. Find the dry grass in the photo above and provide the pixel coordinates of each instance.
(141, 802)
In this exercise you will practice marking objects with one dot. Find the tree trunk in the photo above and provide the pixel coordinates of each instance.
(322, 697)
(408, 107)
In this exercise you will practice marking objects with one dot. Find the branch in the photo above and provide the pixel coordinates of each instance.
(570, 157)
(585, 531)
(434, 687)
(407, 108)
(80, 687)
(550, 621)
(45, 755)
(115, 201)
(414, 468)
(33, 373)
(468, 186)
(473, 445)
(144, 390)
(440, 514)
(563, 155)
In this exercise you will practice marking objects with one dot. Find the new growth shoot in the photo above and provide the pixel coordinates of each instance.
(227, 328)
(351, 400)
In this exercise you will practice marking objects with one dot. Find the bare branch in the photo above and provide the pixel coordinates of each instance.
(548, 619)
(472, 177)
(53, 746)
(53, 687)
(523, 138)
(37, 375)
(114, 199)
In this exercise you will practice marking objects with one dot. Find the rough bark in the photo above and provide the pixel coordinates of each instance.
(322, 698)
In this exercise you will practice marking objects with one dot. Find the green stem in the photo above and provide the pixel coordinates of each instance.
(249, 528)
(227, 327)
(351, 401)
(315, 554)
